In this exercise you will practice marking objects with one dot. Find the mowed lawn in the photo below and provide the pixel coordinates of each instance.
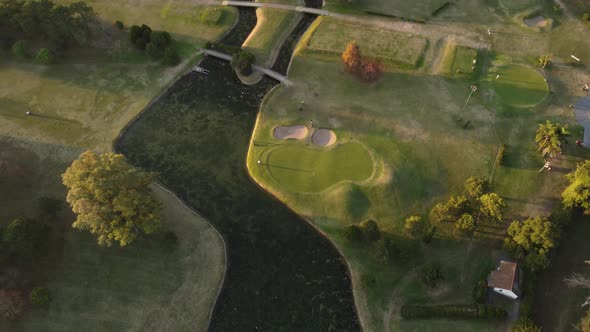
(419, 9)
(457, 60)
(153, 284)
(517, 85)
(301, 168)
(389, 47)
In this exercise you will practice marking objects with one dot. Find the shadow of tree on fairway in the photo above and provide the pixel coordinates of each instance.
(357, 202)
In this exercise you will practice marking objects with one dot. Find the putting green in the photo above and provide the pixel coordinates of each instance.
(304, 169)
(518, 85)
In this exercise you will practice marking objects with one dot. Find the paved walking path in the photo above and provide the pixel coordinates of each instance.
(582, 110)
(281, 78)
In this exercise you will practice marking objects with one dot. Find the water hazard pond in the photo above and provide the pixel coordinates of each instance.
(282, 274)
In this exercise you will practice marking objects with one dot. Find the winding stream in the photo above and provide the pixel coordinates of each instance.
(282, 274)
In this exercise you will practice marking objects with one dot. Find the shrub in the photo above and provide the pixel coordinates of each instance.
(45, 57)
(414, 226)
(370, 72)
(544, 61)
(453, 311)
(352, 58)
(352, 233)
(242, 62)
(500, 157)
(140, 36)
(11, 304)
(431, 274)
(120, 25)
(160, 42)
(171, 57)
(371, 231)
(21, 49)
(480, 292)
(39, 296)
(23, 238)
(586, 17)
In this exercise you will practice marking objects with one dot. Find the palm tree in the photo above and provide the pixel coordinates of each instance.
(550, 137)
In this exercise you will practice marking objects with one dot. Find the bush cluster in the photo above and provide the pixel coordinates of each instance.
(431, 274)
(410, 311)
(156, 44)
(242, 62)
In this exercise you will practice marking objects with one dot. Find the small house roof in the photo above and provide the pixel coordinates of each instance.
(504, 276)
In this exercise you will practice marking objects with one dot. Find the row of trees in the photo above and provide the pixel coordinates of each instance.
(158, 45)
(367, 71)
(46, 23)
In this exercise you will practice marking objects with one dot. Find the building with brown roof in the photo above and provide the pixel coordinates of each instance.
(505, 280)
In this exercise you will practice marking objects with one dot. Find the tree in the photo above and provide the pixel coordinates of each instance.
(531, 240)
(550, 137)
(431, 274)
(171, 57)
(492, 206)
(525, 325)
(370, 72)
(21, 49)
(45, 56)
(242, 62)
(450, 211)
(159, 43)
(414, 226)
(585, 323)
(371, 231)
(11, 304)
(120, 25)
(352, 58)
(476, 186)
(39, 296)
(577, 193)
(353, 233)
(140, 36)
(111, 198)
(465, 224)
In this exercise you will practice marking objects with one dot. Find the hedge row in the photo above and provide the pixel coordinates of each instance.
(501, 154)
(410, 311)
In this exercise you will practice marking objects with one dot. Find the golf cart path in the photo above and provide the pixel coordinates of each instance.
(271, 73)
(582, 111)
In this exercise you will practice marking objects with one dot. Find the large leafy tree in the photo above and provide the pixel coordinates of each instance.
(476, 186)
(492, 206)
(577, 194)
(450, 211)
(531, 240)
(111, 198)
(550, 137)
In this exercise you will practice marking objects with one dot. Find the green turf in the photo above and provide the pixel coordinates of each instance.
(420, 9)
(211, 15)
(389, 47)
(306, 169)
(518, 85)
(457, 60)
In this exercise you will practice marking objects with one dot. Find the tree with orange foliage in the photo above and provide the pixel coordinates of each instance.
(370, 72)
(352, 58)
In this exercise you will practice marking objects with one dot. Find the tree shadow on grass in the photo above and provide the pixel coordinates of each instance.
(357, 203)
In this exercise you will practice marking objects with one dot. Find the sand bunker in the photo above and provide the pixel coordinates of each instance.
(290, 132)
(537, 21)
(323, 137)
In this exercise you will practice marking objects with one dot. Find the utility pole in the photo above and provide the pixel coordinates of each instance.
(473, 89)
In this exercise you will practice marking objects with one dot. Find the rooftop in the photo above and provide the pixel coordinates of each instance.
(504, 276)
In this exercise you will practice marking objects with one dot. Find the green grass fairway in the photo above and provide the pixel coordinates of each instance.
(303, 169)
(419, 9)
(458, 60)
(518, 85)
(390, 47)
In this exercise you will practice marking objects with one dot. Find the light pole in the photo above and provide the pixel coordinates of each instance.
(473, 89)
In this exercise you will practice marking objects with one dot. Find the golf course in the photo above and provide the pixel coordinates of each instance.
(294, 165)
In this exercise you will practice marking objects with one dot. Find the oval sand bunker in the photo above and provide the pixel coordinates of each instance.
(290, 132)
(537, 21)
(323, 137)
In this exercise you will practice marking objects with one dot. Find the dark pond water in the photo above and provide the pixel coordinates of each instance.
(282, 274)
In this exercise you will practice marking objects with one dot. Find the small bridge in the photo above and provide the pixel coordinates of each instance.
(301, 9)
(273, 74)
